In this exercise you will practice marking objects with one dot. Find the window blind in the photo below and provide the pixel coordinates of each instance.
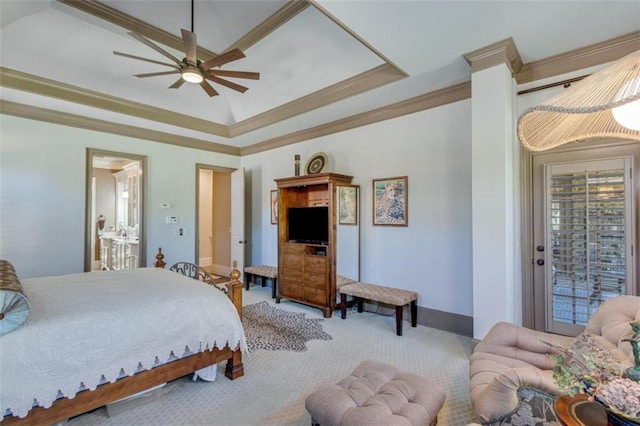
(587, 232)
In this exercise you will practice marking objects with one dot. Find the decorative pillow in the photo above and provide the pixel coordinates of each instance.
(14, 305)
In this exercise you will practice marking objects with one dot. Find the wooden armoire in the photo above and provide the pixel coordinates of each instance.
(307, 270)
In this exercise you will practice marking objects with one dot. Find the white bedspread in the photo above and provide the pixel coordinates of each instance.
(88, 325)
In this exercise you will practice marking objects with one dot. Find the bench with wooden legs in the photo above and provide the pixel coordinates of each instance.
(263, 273)
(392, 296)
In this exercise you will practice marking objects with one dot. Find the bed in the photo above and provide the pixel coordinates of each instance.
(97, 337)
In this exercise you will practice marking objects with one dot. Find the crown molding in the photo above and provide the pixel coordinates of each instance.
(505, 51)
(500, 52)
(129, 23)
(42, 86)
(497, 53)
(419, 103)
(67, 119)
(592, 55)
(272, 23)
(355, 35)
(368, 80)
(365, 81)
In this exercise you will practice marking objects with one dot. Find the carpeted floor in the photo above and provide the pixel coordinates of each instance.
(276, 383)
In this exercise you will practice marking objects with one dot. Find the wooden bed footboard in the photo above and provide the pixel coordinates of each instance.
(233, 289)
(85, 401)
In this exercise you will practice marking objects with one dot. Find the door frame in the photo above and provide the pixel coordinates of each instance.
(530, 301)
(142, 242)
(199, 167)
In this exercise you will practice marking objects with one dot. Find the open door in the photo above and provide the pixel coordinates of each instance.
(238, 241)
(115, 236)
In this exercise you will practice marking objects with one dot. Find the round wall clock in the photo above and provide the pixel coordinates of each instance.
(316, 163)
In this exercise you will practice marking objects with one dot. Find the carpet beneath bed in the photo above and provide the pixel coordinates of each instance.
(274, 329)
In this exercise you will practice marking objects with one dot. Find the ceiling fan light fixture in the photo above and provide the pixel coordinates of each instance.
(193, 70)
(192, 75)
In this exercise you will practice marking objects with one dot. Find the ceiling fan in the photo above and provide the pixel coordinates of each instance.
(192, 69)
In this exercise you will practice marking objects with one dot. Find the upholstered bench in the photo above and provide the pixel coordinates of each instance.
(341, 281)
(376, 394)
(264, 272)
(392, 296)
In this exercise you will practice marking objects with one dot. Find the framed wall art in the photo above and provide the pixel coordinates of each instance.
(348, 205)
(390, 201)
(274, 207)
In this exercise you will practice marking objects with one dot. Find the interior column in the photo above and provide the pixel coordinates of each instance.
(496, 291)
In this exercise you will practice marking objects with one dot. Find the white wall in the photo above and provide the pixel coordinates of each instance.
(433, 148)
(42, 178)
(42, 194)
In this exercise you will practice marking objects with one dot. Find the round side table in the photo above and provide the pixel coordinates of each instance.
(579, 411)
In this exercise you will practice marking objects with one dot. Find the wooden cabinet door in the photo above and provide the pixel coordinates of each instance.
(291, 289)
(315, 264)
(315, 295)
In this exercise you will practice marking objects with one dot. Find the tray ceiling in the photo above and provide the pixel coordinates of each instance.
(318, 61)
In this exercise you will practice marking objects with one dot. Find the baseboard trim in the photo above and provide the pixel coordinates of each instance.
(445, 321)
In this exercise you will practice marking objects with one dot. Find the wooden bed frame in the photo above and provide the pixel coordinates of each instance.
(85, 401)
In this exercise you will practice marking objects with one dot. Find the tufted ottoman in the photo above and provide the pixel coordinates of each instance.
(376, 394)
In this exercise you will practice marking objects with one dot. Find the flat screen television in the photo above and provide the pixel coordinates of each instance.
(308, 225)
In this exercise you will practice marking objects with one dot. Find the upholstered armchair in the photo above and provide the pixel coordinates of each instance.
(511, 357)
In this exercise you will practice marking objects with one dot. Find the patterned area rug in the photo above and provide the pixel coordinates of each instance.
(273, 329)
(535, 408)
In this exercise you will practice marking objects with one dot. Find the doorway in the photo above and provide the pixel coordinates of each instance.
(214, 220)
(584, 207)
(114, 230)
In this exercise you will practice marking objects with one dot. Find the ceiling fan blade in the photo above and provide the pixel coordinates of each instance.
(155, 74)
(190, 46)
(207, 88)
(139, 58)
(237, 74)
(232, 55)
(227, 83)
(179, 82)
(155, 47)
